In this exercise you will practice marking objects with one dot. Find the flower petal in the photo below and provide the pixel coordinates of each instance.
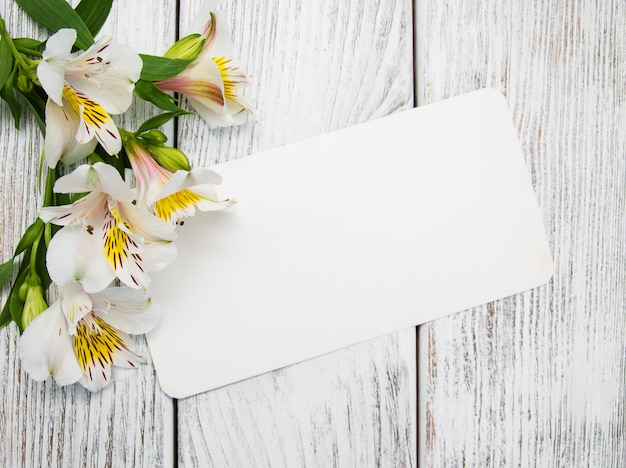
(145, 224)
(95, 122)
(51, 70)
(75, 304)
(200, 23)
(222, 43)
(99, 177)
(76, 254)
(185, 191)
(181, 180)
(214, 118)
(178, 205)
(210, 202)
(59, 45)
(60, 142)
(90, 206)
(107, 73)
(98, 346)
(201, 81)
(45, 348)
(158, 255)
(124, 249)
(126, 309)
(239, 108)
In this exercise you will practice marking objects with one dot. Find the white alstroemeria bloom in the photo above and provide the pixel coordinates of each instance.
(173, 195)
(211, 82)
(82, 337)
(105, 235)
(83, 91)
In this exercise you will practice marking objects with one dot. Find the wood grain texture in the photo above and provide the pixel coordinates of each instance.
(131, 423)
(355, 407)
(537, 379)
(318, 66)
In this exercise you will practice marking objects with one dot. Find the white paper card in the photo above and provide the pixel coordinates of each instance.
(346, 237)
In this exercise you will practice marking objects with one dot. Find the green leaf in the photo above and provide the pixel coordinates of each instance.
(36, 99)
(29, 46)
(16, 305)
(148, 91)
(33, 233)
(94, 13)
(42, 267)
(68, 199)
(27, 43)
(5, 315)
(5, 271)
(58, 14)
(8, 95)
(159, 120)
(6, 62)
(160, 68)
(16, 308)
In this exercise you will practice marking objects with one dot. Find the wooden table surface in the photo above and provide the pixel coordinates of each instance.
(537, 379)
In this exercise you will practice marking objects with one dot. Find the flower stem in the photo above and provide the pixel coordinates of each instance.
(48, 200)
(48, 195)
(33, 256)
(4, 35)
(47, 233)
(24, 50)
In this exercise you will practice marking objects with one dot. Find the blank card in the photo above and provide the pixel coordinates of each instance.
(346, 237)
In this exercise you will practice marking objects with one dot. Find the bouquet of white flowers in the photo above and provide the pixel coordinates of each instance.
(111, 208)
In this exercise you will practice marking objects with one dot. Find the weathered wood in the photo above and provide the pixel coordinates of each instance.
(130, 423)
(355, 407)
(317, 66)
(538, 379)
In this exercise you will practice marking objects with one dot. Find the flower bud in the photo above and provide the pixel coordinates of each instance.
(24, 84)
(34, 305)
(155, 136)
(170, 158)
(187, 48)
(22, 291)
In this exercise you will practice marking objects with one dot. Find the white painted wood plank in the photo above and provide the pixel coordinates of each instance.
(130, 423)
(355, 407)
(538, 379)
(318, 66)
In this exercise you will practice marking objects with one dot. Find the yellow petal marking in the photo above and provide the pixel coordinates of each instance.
(95, 343)
(92, 113)
(117, 243)
(232, 77)
(169, 207)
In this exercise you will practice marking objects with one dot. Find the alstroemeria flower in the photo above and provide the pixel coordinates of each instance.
(81, 336)
(173, 195)
(105, 235)
(82, 93)
(211, 82)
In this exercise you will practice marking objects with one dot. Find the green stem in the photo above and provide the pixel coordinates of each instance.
(5, 36)
(33, 255)
(47, 233)
(48, 195)
(25, 50)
